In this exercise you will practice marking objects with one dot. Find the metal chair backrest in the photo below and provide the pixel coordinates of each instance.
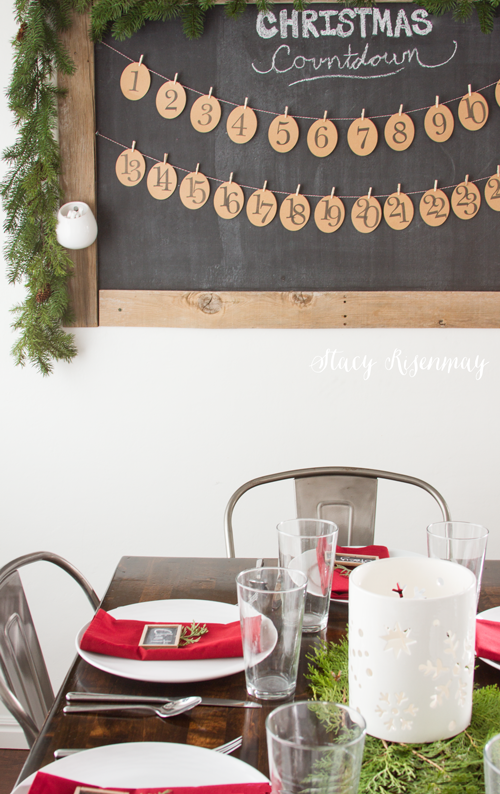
(26, 690)
(347, 496)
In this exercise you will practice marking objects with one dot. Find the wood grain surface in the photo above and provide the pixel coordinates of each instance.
(177, 309)
(138, 579)
(77, 145)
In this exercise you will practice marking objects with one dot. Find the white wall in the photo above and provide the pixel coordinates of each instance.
(136, 446)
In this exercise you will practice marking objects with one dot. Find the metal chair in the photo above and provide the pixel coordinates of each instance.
(25, 689)
(347, 496)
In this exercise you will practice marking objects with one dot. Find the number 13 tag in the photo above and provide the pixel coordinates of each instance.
(130, 167)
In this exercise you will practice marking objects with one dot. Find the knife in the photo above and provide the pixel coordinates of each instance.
(86, 697)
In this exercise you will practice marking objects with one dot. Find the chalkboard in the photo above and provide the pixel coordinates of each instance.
(377, 60)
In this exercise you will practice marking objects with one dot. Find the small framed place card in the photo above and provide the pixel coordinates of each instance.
(161, 635)
(353, 560)
(89, 790)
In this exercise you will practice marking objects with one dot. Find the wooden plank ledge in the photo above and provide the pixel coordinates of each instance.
(184, 309)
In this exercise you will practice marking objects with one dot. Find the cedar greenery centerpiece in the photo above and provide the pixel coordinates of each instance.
(449, 766)
(30, 189)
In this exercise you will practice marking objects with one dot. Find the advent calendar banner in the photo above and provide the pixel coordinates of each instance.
(329, 149)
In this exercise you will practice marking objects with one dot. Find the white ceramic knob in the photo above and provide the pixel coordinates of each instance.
(76, 225)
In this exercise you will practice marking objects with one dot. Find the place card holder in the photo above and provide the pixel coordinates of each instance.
(353, 560)
(90, 790)
(161, 635)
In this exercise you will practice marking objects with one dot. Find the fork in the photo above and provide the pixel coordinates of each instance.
(229, 747)
(225, 749)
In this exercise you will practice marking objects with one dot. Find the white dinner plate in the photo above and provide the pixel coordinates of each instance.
(149, 765)
(490, 614)
(169, 611)
(392, 553)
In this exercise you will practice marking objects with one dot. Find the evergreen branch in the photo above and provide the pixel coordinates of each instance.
(193, 19)
(191, 634)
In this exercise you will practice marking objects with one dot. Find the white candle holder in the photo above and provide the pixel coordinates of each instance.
(76, 225)
(411, 647)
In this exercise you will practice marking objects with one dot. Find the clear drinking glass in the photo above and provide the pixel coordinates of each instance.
(461, 542)
(491, 757)
(271, 602)
(309, 544)
(315, 746)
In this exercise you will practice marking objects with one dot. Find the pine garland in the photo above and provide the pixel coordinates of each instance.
(31, 192)
(451, 766)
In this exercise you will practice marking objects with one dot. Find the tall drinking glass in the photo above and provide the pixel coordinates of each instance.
(491, 757)
(315, 746)
(271, 602)
(308, 545)
(459, 542)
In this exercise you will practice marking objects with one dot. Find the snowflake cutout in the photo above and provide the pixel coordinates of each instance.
(398, 640)
(442, 691)
(436, 669)
(390, 710)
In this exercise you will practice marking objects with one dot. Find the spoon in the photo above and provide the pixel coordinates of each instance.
(167, 710)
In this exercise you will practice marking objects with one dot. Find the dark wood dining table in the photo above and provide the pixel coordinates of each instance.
(139, 579)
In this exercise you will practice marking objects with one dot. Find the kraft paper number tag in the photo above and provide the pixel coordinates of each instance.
(465, 200)
(492, 192)
(439, 123)
(135, 81)
(398, 211)
(322, 137)
(161, 635)
(329, 214)
(497, 92)
(171, 99)
(295, 212)
(162, 181)
(241, 124)
(473, 111)
(399, 132)
(130, 167)
(206, 113)
(194, 190)
(366, 214)
(434, 207)
(262, 207)
(283, 133)
(229, 200)
(362, 136)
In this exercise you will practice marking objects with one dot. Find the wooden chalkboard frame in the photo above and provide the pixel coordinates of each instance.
(188, 309)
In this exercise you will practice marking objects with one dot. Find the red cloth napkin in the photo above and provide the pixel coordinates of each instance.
(49, 784)
(121, 638)
(340, 584)
(488, 640)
